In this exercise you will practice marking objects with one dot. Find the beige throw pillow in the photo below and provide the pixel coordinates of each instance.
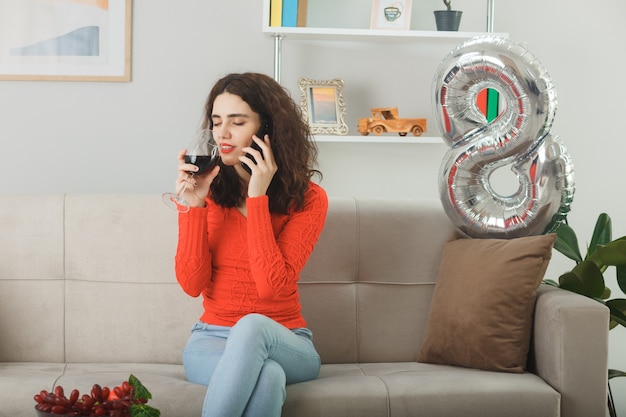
(483, 302)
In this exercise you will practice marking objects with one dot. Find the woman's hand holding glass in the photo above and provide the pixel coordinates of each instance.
(195, 187)
(197, 167)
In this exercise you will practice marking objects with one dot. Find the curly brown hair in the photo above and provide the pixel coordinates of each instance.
(294, 151)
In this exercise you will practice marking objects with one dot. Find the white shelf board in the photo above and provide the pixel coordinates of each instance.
(409, 139)
(333, 34)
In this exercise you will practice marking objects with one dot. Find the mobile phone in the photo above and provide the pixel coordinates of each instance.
(264, 130)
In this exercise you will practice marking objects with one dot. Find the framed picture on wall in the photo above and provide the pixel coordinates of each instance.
(69, 40)
(323, 106)
(391, 14)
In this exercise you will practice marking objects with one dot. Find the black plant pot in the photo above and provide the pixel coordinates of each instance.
(448, 19)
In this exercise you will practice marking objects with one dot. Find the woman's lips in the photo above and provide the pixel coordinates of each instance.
(226, 148)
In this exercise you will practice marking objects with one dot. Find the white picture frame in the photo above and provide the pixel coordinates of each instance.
(391, 14)
(323, 106)
(80, 40)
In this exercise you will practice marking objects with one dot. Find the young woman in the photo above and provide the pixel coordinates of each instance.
(242, 245)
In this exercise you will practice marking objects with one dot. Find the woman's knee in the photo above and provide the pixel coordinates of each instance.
(254, 327)
(254, 320)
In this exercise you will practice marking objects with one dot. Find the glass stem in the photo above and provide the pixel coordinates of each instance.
(182, 190)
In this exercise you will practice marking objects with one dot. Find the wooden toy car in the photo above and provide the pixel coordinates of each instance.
(385, 119)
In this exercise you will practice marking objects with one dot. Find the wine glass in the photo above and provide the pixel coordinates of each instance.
(203, 153)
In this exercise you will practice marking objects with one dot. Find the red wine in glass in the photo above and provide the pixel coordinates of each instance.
(203, 162)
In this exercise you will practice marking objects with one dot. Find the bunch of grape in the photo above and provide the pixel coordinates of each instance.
(102, 401)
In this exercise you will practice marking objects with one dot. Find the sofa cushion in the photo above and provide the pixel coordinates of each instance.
(419, 389)
(20, 381)
(171, 393)
(481, 311)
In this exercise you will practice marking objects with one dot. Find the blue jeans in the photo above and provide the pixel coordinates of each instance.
(247, 366)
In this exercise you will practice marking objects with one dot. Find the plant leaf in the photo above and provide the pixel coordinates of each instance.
(621, 277)
(602, 233)
(586, 279)
(613, 253)
(618, 311)
(551, 282)
(143, 410)
(614, 373)
(567, 242)
(141, 392)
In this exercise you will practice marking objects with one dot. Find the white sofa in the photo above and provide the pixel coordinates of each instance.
(88, 295)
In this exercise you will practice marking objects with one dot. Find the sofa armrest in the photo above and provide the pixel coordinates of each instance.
(569, 349)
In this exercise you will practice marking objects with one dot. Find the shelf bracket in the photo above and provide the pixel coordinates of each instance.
(278, 55)
(490, 12)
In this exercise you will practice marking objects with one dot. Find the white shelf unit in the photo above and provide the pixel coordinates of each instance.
(280, 33)
(372, 138)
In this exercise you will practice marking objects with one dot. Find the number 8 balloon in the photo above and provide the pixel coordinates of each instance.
(519, 137)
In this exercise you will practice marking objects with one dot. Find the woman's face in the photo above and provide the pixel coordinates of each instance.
(234, 124)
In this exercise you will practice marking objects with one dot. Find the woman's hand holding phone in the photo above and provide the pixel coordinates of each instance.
(263, 170)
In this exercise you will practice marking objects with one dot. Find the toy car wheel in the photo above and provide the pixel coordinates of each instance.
(365, 133)
(417, 130)
(378, 129)
(402, 133)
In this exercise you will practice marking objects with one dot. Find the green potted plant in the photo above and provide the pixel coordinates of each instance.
(448, 19)
(587, 277)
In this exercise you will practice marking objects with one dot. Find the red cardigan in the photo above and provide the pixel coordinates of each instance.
(248, 265)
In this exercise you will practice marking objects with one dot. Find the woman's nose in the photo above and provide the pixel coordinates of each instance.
(222, 132)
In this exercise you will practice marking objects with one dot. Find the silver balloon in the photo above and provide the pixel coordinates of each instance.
(519, 137)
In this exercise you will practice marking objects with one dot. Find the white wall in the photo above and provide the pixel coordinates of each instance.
(81, 137)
